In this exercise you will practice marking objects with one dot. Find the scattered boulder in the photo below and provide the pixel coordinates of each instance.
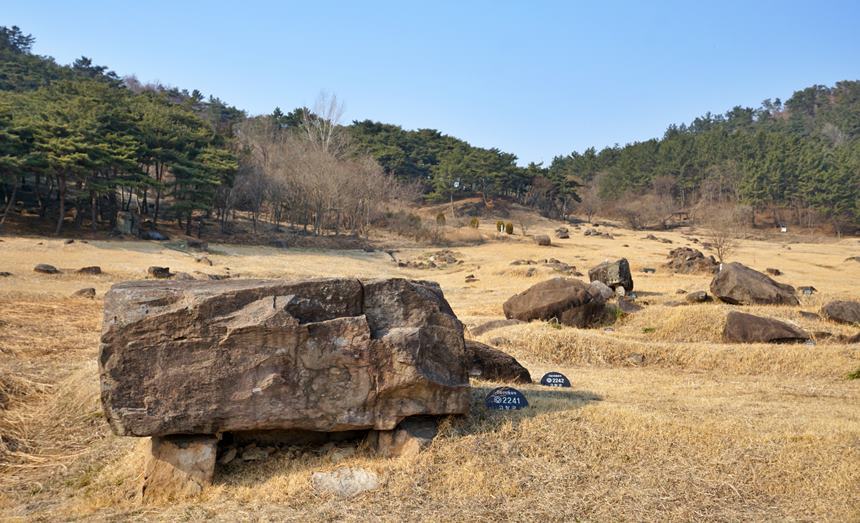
(471, 278)
(228, 456)
(697, 297)
(746, 328)
(566, 300)
(433, 260)
(178, 466)
(5, 274)
(543, 240)
(183, 276)
(492, 325)
(320, 355)
(842, 311)
(598, 288)
(88, 292)
(737, 284)
(409, 438)
(562, 233)
(686, 260)
(345, 482)
(649, 270)
(204, 260)
(159, 272)
(773, 272)
(656, 239)
(254, 453)
(68, 242)
(636, 359)
(93, 269)
(613, 273)
(44, 268)
(489, 363)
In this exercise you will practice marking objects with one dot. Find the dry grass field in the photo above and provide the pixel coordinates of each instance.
(696, 430)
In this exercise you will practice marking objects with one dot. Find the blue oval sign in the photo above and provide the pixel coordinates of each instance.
(506, 398)
(555, 379)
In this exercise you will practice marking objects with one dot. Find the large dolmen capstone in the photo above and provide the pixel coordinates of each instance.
(737, 284)
(206, 357)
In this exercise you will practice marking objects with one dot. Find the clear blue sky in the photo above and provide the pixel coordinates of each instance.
(534, 78)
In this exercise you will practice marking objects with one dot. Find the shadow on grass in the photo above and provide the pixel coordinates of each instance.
(542, 400)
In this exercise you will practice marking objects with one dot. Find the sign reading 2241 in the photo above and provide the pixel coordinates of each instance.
(505, 398)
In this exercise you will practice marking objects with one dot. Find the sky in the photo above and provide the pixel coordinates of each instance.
(535, 78)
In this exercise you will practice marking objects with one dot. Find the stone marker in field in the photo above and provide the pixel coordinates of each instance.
(842, 311)
(737, 284)
(555, 379)
(489, 363)
(614, 274)
(329, 355)
(505, 398)
(746, 328)
(567, 300)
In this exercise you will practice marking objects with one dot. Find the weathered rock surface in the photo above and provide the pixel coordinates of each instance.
(737, 284)
(237, 355)
(93, 269)
(178, 466)
(345, 482)
(88, 292)
(686, 260)
(598, 288)
(746, 328)
(409, 438)
(489, 363)
(567, 300)
(159, 272)
(543, 240)
(842, 311)
(697, 297)
(613, 273)
(44, 268)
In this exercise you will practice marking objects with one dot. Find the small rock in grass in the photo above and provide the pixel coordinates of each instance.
(88, 292)
(44, 268)
(345, 482)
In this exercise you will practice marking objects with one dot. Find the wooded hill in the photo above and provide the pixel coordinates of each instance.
(78, 142)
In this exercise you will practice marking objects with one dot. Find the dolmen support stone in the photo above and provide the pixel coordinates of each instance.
(327, 355)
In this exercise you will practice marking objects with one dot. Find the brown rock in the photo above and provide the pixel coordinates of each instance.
(737, 284)
(93, 269)
(566, 300)
(697, 297)
(44, 268)
(614, 274)
(489, 363)
(543, 240)
(746, 328)
(89, 292)
(178, 467)
(773, 272)
(686, 260)
(409, 438)
(321, 355)
(842, 311)
(159, 272)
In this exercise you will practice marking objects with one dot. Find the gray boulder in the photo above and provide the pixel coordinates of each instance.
(489, 363)
(737, 284)
(842, 311)
(613, 273)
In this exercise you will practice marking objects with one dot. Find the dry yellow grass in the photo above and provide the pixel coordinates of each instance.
(698, 431)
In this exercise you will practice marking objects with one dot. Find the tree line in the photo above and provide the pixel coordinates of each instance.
(79, 140)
